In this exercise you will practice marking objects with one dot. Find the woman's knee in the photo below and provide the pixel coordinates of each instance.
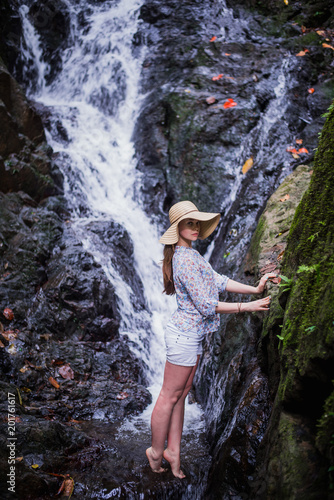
(171, 397)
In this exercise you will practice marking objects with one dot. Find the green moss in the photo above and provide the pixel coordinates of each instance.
(310, 244)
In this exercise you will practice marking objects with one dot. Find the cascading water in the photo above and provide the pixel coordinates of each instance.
(95, 101)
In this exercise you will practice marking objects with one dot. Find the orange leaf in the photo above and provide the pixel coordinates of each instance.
(302, 53)
(321, 33)
(54, 382)
(290, 149)
(327, 46)
(226, 54)
(311, 90)
(218, 77)
(213, 39)
(280, 255)
(299, 141)
(285, 197)
(247, 165)
(230, 103)
(8, 313)
(302, 150)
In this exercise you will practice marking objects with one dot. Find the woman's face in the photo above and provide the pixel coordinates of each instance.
(188, 232)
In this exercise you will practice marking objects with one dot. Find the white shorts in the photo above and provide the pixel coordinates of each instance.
(182, 347)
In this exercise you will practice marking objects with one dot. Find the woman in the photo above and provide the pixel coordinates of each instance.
(197, 287)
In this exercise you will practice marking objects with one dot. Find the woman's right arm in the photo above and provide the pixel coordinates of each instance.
(235, 307)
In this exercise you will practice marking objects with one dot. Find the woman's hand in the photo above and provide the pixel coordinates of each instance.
(261, 286)
(256, 305)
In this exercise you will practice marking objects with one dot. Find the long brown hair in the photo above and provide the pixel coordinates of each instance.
(167, 269)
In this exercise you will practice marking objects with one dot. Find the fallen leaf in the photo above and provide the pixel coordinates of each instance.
(12, 349)
(285, 197)
(226, 54)
(210, 100)
(19, 459)
(122, 395)
(269, 268)
(302, 150)
(1, 327)
(9, 334)
(304, 29)
(213, 39)
(321, 33)
(247, 165)
(291, 149)
(54, 382)
(24, 369)
(2, 344)
(66, 372)
(280, 255)
(302, 53)
(299, 141)
(188, 91)
(67, 486)
(327, 46)
(218, 77)
(8, 313)
(230, 103)
(311, 90)
(296, 157)
(286, 2)
(35, 466)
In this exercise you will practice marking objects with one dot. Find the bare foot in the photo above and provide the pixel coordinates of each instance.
(155, 463)
(174, 460)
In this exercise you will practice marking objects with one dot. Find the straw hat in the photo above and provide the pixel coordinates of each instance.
(187, 210)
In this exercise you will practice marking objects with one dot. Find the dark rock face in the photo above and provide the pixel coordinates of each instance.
(187, 147)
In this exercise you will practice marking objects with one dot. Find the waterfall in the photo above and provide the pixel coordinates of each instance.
(95, 101)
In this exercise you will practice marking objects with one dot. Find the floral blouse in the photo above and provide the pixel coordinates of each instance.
(197, 288)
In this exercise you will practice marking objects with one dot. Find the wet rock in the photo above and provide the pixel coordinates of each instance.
(17, 116)
(51, 19)
(186, 149)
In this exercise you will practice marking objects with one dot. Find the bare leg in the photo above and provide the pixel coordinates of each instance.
(175, 382)
(172, 452)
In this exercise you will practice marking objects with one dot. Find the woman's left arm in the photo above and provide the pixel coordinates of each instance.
(236, 287)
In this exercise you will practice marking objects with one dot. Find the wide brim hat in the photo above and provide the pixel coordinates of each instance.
(187, 210)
